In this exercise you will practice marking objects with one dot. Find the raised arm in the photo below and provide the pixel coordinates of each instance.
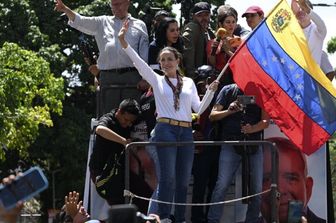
(320, 25)
(61, 7)
(144, 69)
(122, 34)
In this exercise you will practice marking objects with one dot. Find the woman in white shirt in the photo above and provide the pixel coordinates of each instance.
(175, 98)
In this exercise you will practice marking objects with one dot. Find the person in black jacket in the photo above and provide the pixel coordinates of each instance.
(112, 135)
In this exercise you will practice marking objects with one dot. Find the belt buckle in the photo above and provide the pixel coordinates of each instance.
(173, 122)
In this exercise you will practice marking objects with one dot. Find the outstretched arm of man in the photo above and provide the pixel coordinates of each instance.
(61, 7)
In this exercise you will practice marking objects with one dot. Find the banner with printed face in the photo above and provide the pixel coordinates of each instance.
(301, 178)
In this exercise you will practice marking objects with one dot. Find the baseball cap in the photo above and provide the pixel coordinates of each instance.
(201, 7)
(252, 10)
(161, 12)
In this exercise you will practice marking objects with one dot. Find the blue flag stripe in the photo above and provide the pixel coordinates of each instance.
(312, 98)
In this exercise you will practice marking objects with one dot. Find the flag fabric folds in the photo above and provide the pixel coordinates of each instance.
(275, 65)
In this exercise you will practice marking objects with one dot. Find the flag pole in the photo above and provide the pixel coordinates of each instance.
(223, 71)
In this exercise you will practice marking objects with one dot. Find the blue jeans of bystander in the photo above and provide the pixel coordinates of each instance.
(229, 162)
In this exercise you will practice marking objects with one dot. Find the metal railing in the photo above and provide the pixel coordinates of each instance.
(274, 161)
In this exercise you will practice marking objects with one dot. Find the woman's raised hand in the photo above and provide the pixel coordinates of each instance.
(122, 33)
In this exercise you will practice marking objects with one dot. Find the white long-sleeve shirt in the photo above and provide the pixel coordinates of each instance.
(105, 29)
(315, 34)
(164, 97)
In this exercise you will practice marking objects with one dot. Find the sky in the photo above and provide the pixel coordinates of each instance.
(267, 5)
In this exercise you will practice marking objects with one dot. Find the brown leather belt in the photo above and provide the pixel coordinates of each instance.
(121, 70)
(174, 122)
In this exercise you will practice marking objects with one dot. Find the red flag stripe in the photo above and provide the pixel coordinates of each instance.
(303, 131)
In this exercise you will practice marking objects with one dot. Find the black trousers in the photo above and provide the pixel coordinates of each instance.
(115, 87)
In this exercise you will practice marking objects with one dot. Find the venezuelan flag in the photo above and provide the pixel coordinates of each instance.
(275, 64)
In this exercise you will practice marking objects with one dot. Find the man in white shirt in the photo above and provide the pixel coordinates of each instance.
(115, 66)
(312, 25)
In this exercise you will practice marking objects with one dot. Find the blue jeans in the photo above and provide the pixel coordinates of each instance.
(175, 168)
(229, 162)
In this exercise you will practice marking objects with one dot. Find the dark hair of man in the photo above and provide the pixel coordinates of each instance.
(161, 34)
(130, 106)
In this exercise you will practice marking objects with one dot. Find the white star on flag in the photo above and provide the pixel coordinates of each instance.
(297, 97)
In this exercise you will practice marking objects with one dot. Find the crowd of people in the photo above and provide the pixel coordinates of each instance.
(167, 72)
(160, 84)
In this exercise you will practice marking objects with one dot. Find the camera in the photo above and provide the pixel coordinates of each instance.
(246, 99)
(127, 213)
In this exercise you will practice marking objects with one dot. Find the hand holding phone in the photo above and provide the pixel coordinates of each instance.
(295, 208)
(23, 187)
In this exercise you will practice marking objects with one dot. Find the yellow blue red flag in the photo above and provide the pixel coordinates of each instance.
(275, 64)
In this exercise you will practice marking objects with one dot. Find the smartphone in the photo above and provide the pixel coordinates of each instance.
(246, 99)
(295, 208)
(24, 187)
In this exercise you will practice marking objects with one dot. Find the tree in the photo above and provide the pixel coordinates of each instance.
(332, 45)
(34, 25)
(28, 94)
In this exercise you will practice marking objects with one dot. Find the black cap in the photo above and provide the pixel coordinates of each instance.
(201, 7)
(203, 72)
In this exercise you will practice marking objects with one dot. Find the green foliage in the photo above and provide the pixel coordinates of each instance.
(332, 45)
(28, 94)
(332, 151)
(19, 24)
(64, 148)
